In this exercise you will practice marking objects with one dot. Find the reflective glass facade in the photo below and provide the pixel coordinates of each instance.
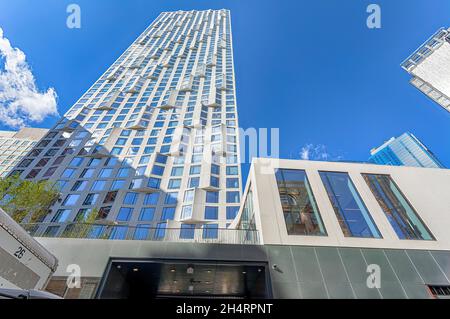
(405, 150)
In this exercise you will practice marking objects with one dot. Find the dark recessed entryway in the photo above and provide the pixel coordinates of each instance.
(177, 279)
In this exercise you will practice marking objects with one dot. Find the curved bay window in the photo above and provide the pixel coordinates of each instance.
(300, 210)
(402, 216)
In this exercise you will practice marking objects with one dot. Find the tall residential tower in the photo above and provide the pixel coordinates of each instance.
(153, 143)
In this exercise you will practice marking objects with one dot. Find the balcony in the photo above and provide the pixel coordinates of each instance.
(115, 231)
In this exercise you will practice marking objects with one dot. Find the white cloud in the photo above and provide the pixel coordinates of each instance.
(317, 152)
(20, 100)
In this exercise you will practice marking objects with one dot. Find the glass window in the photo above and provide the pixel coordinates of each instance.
(154, 182)
(158, 170)
(71, 200)
(118, 232)
(51, 231)
(177, 171)
(90, 199)
(124, 172)
(141, 232)
(210, 231)
(96, 231)
(350, 210)
(61, 216)
(233, 197)
(110, 197)
(211, 212)
(194, 182)
(161, 159)
(232, 170)
(118, 184)
(189, 195)
(214, 181)
(186, 212)
(88, 173)
(232, 212)
(94, 162)
(299, 206)
(136, 141)
(187, 231)
(144, 160)
(212, 197)
(171, 198)
(98, 186)
(121, 141)
(79, 186)
(232, 182)
(151, 199)
(195, 170)
(215, 169)
(168, 213)
(105, 173)
(174, 183)
(160, 231)
(67, 173)
(116, 150)
(402, 216)
(82, 215)
(140, 171)
(76, 161)
(130, 199)
(124, 214)
(147, 214)
(165, 149)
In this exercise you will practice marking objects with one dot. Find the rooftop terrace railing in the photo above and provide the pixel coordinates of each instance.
(143, 232)
(428, 47)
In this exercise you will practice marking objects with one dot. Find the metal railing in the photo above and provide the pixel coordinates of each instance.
(142, 232)
(428, 47)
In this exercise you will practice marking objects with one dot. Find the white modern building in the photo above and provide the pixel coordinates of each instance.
(429, 67)
(307, 230)
(346, 204)
(14, 145)
(153, 143)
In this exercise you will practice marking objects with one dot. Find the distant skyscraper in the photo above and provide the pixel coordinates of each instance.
(405, 150)
(153, 143)
(429, 66)
(15, 145)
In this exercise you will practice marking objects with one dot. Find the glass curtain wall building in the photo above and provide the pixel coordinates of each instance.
(405, 150)
(153, 143)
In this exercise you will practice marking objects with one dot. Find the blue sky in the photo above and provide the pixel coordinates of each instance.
(311, 68)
